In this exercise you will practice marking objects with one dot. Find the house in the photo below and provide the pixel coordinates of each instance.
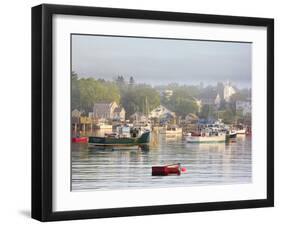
(75, 116)
(161, 112)
(228, 91)
(215, 96)
(218, 101)
(168, 93)
(191, 118)
(75, 113)
(108, 111)
(119, 113)
(138, 117)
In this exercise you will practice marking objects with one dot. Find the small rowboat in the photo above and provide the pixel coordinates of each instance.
(168, 169)
(79, 139)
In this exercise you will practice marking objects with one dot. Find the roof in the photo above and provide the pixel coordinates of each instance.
(193, 116)
(118, 109)
(102, 106)
(75, 113)
(137, 114)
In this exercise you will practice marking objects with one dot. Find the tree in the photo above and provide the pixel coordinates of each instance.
(132, 81)
(207, 111)
(75, 91)
(142, 98)
(228, 116)
(120, 80)
(93, 91)
(182, 102)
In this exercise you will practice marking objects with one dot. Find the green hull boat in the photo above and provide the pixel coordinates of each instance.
(122, 142)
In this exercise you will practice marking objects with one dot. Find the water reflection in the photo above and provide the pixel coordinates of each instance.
(206, 164)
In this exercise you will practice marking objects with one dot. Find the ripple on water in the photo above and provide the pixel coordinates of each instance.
(206, 164)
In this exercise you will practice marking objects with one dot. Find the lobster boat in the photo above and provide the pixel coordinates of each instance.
(79, 139)
(167, 170)
(120, 141)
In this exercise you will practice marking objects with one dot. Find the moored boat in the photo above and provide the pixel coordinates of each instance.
(206, 138)
(172, 130)
(120, 141)
(231, 134)
(79, 139)
(103, 126)
(241, 131)
(249, 131)
(123, 130)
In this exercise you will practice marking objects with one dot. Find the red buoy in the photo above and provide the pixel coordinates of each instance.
(183, 169)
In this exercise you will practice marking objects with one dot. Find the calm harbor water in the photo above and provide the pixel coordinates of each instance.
(207, 164)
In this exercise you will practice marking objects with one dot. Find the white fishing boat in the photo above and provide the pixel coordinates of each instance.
(172, 130)
(124, 130)
(206, 138)
(241, 131)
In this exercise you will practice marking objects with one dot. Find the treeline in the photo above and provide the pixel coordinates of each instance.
(133, 97)
(88, 91)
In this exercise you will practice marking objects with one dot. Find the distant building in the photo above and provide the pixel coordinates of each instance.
(91, 115)
(108, 111)
(138, 117)
(244, 106)
(167, 93)
(161, 112)
(191, 118)
(228, 92)
(198, 103)
(75, 113)
(75, 116)
(119, 113)
(218, 101)
(215, 97)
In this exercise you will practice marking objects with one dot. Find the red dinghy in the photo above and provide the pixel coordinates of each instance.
(168, 169)
(79, 139)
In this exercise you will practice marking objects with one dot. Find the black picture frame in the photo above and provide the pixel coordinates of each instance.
(42, 107)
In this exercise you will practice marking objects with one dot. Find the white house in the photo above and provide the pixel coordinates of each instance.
(160, 111)
(218, 100)
(168, 93)
(228, 91)
(119, 113)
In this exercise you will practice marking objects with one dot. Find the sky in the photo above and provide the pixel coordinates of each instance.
(162, 61)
